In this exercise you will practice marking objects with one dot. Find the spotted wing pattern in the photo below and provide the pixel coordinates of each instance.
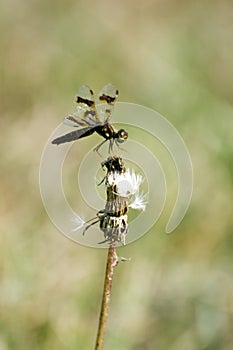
(108, 95)
(86, 114)
(86, 117)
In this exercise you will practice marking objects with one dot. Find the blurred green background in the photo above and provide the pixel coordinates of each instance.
(175, 57)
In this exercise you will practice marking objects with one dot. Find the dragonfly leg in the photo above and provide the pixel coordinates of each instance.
(121, 148)
(110, 149)
(96, 149)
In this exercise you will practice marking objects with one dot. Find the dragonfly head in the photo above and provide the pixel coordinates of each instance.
(121, 135)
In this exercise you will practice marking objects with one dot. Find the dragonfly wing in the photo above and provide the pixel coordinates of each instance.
(74, 135)
(108, 96)
(86, 110)
(75, 121)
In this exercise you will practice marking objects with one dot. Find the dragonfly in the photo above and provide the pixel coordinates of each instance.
(87, 120)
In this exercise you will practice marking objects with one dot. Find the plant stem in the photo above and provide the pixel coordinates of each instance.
(105, 298)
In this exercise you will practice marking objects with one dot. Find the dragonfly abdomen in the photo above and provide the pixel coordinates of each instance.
(74, 135)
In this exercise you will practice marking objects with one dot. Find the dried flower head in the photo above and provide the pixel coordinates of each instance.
(127, 183)
(139, 201)
(122, 193)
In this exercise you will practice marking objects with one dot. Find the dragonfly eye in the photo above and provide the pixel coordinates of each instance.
(122, 135)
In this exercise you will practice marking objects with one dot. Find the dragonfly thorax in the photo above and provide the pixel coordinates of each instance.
(106, 131)
(109, 133)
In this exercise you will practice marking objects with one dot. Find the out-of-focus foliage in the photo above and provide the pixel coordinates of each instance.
(175, 57)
